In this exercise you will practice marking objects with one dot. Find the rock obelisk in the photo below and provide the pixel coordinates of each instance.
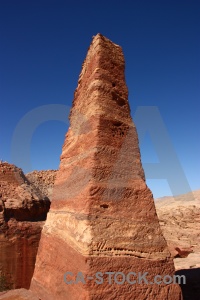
(102, 216)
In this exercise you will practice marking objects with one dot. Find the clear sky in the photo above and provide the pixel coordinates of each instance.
(42, 47)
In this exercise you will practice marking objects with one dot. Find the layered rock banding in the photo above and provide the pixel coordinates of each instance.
(21, 205)
(102, 216)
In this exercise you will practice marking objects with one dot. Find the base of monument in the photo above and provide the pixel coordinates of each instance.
(89, 277)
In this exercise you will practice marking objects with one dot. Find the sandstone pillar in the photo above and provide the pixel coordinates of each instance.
(102, 217)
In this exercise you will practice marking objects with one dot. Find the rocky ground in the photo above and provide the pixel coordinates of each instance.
(180, 222)
(179, 219)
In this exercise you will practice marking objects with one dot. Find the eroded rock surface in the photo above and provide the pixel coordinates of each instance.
(179, 219)
(23, 210)
(19, 294)
(102, 215)
(43, 180)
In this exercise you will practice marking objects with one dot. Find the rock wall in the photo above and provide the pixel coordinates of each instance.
(23, 210)
(102, 215)
(18, 247)
(43, 180)
(12, 174)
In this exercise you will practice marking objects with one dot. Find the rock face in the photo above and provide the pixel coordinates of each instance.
(102, 216)
(21, 205)
(19, 294)
(179, 219)
(19, 199)
(43, 180)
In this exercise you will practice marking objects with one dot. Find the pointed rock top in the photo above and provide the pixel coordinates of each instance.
(101, 86)
(103, 38)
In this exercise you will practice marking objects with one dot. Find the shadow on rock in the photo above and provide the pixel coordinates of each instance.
(190, 290)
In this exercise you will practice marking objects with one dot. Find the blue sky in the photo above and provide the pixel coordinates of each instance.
(43, 45)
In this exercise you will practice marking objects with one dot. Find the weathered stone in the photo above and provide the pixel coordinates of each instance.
(21, 205)
(179, 219)
(19, 199)
(102, 216)
(43, 180)
(19, 294)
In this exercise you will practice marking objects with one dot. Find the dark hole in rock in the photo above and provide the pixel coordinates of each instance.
(104, 205)
(113, 84)
(117, 123)
(120, 102)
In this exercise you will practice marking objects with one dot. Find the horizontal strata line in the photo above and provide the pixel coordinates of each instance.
(133, 255)
(143, 255)
(116, 253)
(103, 216)
(78, 157)
(112, 183)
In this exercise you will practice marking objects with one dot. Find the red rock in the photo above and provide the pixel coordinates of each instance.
(183, 252)
(19, 199)
(22, 212)
(102, 216)
(19, 294)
